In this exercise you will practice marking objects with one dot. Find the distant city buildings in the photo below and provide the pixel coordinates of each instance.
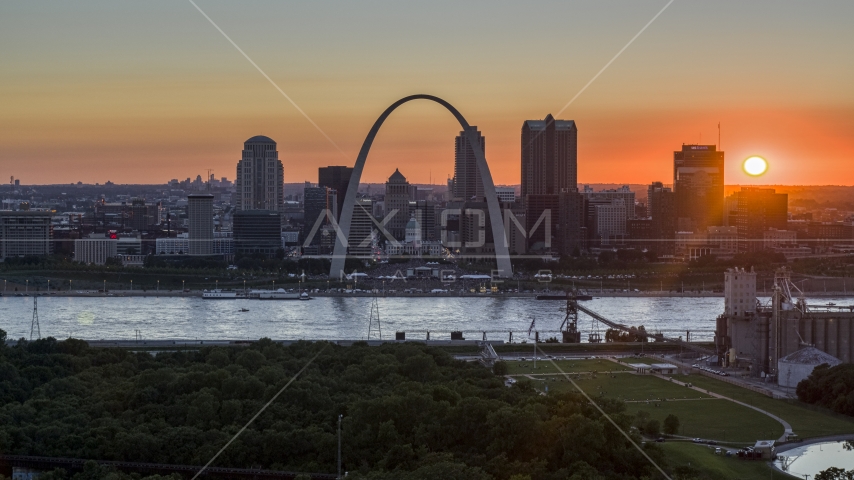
(260, 176)
(133, 215)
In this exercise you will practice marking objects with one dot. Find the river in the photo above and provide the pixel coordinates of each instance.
(339, 318)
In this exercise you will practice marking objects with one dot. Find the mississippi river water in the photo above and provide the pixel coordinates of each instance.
(345, 318)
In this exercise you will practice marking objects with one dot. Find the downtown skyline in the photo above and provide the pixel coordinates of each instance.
(97, 92)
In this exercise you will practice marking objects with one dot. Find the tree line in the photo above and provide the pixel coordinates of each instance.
(409, 411)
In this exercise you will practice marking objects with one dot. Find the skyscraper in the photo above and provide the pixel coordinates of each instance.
(360, 240)
(260, 176)
(549, 156)
(200, 216)
(397, 200)
(319, 203)
(336, 178)
(698, 184)
(467, 184)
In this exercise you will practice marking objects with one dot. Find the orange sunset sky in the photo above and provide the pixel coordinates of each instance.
(142, 92)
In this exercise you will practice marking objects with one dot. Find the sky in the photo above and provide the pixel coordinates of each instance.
(143, 92)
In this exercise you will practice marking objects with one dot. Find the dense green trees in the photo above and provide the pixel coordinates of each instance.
(410, 412)
(830, 387)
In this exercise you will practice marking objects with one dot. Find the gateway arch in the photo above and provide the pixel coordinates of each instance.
(502, 253)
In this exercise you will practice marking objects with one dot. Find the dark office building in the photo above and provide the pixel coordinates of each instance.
(571, 231)
(661, 205)
(425, 215)
(468, 186)
(698, 183)
(257, 232)
(549, 156)
(542, 215)
(640, 233)
(758, 210)
(337, 178)
(316, 201)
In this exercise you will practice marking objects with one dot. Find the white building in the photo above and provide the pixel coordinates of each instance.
(606, 196)
(506, 194)
(413, 245)
(609, 220)
(179, 245)
(95, 249)
(739, 292)
(799, 365)
(773, 238)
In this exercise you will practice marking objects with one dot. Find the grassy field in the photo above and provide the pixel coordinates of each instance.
(568, 366)
(716, 419)
(627, 387)
(700, 415)
(708, 466)
(805, 422)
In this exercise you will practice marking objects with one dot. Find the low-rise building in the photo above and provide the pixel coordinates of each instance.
(25, 233)
(95, 249)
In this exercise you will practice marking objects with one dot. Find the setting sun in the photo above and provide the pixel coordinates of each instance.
(755, 166)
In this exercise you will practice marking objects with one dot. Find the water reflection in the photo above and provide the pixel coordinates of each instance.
(812, 459)
(343, 317)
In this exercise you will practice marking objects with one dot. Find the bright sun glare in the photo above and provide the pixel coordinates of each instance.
(755, 166)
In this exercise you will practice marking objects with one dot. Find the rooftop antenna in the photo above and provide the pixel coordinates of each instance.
(34, 327)
(719, 136)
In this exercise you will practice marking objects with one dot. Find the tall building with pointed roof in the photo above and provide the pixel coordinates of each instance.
(397, 204)
(549, 156)
(468, 186)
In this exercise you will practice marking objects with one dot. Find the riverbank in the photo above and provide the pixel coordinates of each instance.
(396, 294)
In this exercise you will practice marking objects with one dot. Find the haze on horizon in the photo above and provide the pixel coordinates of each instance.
(141, 92)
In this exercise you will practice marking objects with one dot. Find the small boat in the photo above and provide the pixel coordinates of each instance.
(244, 309)
(304, 296)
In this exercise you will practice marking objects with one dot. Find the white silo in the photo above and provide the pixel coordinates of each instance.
(799, 365)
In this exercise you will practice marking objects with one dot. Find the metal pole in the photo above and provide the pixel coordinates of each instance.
(339, 446)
